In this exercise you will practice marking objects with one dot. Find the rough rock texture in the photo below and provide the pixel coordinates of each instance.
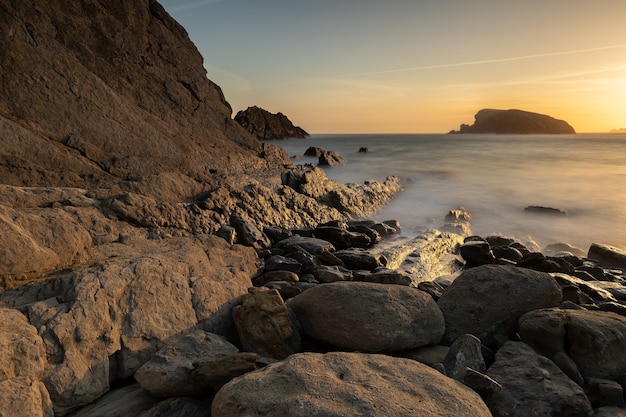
(395, 318)
(265, 125)
(594, 340)
(533, 386)
(346, 384)
(22, 363)
(169, 372)
(488, 300)
(515, 122)
(265, 325)
(131, 400)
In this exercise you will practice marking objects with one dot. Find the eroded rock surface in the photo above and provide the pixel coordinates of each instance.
(346, 384)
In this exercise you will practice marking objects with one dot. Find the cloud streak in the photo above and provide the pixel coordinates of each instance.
(488, 61)
(189, 5)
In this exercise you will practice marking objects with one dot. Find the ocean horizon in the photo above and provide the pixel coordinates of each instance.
(495, 177)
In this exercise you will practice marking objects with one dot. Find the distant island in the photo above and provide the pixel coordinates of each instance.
(515, 122)
(265, 125)
(621, 130)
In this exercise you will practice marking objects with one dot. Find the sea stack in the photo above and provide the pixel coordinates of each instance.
(265, 125)
(515, 122)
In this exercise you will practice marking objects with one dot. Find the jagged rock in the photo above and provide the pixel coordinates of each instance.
(500, 295)
(265, 125)
(265, 325)
(22, 363)
(514, 122)
(464, 353)
(533, 386)
(346, 384)
(356, 258)
(592, 339)
(425, 257)
(169, 372)
(331, 159)
(369, 317)
(248, 233)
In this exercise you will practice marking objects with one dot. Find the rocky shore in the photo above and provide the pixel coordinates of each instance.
(156, 259)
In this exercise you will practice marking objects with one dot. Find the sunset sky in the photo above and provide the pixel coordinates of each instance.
(414, 66)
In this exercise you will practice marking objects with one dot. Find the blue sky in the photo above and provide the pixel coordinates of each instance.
(414, 66)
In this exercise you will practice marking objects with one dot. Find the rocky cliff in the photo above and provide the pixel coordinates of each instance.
(265, 125)
(515, 122)
(119, 162)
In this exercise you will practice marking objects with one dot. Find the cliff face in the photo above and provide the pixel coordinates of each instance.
(94, 92)
(515, 122)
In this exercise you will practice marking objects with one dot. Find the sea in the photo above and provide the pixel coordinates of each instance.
(494, 177)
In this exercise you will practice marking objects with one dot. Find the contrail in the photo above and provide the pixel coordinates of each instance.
(489, 61)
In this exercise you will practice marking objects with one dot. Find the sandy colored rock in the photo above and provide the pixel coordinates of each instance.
(369, 317)
(265, 325)
(488, 300)
(346, 384)
(22, 363)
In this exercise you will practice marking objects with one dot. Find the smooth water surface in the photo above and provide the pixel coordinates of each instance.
(494, 177)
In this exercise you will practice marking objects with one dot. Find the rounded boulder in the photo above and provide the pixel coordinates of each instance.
(369, 317)
(346, 384)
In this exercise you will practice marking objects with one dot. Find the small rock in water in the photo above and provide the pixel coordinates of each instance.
(545, 210)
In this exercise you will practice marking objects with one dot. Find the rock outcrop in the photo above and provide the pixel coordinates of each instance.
(515, 122)
(265, 125)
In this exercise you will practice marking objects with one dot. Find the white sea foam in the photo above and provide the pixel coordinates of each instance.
(495, 177)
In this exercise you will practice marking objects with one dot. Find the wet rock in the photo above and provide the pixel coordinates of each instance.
(507, 252)
(312, 245)
(265, 325)
(346, 384)
(355, 258)
(342, 238)
(327, 274)
(607, 255)
(364, 149)
(313, 151)
(369, 317)
(282, 263)
(539, 262)
(559, 249)
(477, 253)
(500, 295)
(383, 276)
(533, 385)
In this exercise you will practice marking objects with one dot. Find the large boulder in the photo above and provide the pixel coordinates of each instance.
(515, 122)
(22, 364)
(594, 340)
(265, 125)
(346, 384)
(488, 300)
(369, 317)
(532, 385)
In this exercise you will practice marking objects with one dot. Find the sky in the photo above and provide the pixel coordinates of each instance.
(414, 66)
